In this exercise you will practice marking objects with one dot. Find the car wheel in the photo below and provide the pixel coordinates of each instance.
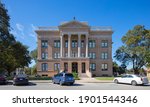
(71, 83)
(116, 81)
(134, 83)
(53, 81)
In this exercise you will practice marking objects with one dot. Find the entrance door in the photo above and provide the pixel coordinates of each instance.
(75, 67)
(83, 67)
(66, 67)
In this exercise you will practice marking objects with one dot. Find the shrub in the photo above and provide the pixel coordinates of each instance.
(75, 75)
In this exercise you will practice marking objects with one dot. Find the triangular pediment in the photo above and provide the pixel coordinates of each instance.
(74, 24)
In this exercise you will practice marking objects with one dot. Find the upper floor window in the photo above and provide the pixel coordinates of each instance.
(92, 55)
(92, 44)
(66, 54)
(44, 55)
(66, 43)
(56, 55)
(104, 67)
(44, 43)
(104, 43)
(104, 55)
(82, 43)
(92, 67)
(82, 55)
(56, 66)
(57, 43)
(74, 54)
(74, 44)
(44, 67)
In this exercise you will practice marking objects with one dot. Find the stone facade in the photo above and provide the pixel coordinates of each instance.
(75, 46)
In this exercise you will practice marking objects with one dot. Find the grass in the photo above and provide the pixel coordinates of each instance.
(104, 78)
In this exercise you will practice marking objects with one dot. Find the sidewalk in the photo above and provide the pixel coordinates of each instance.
(93, 80)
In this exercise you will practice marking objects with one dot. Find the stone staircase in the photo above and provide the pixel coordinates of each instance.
(83, 75)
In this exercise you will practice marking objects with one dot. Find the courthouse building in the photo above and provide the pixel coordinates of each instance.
(75, 46)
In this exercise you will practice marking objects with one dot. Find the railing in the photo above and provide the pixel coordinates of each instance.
(94, 28)
(53, 28)
(101, 28)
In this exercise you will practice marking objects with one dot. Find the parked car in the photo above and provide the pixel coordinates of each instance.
(63, 78)
(3, 79)
(20, 79)
(132, 79)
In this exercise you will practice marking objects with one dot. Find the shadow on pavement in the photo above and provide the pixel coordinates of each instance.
(76, 84)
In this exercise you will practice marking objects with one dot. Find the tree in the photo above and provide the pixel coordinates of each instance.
(136, 48)
(13, 54)
(33, 54)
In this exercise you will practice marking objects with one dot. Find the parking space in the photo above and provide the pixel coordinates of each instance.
(76, 86)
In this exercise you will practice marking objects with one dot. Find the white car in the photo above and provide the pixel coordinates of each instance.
(131, 79)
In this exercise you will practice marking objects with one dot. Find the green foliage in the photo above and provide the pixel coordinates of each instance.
(136, 48)
(13, 54)
(75, 75)
(33, 54)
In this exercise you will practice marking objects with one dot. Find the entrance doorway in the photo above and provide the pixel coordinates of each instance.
(75, 67)
(83, 67)
(66, 67)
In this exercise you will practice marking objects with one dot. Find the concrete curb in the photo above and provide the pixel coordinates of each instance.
(77, 81)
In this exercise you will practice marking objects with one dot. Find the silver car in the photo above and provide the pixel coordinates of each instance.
(132, 79)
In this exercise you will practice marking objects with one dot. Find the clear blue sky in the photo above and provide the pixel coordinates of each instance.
(122, 15)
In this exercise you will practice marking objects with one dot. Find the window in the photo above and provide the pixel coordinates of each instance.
(57, 43)
(66, 43)
(44, 55)
(104, 55)
(44, 43)
(104, 67)
(82, 43)
(44, 67)
(82, 55)
(74, 54)
(74, 43)
(92, 44)
(56, 55)
(92, 55)
(92, 67)
(56, 66)
(104, 43)
(66, 54)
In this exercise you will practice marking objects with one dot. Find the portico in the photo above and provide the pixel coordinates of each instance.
(70, 53)
(69, 35)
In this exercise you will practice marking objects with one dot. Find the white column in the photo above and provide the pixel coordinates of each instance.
(61, 44)
(79, 45)
(86, 46)
(69, 45)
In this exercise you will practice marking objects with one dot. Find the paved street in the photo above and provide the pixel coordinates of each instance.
(76, 86)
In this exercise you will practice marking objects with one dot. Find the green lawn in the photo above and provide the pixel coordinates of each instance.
(104, 78)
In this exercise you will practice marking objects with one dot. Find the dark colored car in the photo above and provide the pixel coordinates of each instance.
(3, 79)
(63, 78)
(20, 79)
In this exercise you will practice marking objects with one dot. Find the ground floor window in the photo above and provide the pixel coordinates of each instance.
(92, 67)
(44, 67)
(56, 66)
(104, 67)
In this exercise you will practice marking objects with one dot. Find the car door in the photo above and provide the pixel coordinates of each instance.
(123, 79)
(129, 79)
(56, 78)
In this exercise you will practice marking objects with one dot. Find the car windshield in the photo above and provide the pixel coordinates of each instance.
(21, 75)
(69, 75)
